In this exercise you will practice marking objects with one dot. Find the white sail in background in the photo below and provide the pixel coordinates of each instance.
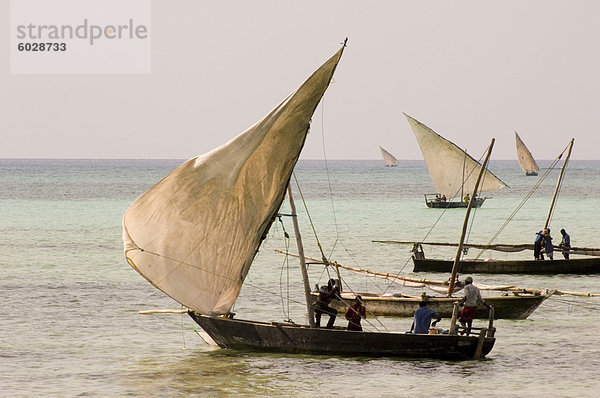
(525, 158)
(195, 234)
(390, 160)
(448, 164)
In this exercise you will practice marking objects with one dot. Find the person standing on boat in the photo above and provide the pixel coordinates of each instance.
(470, 300)
(327, 293)
(565, 243)
(423, 318)
(537, 246)
(547, 244)
(466, 198)
(355, 313)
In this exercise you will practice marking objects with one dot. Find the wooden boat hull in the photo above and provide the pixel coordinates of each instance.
(505, 307)
(288, 338)
(584, 266)
(453, 205)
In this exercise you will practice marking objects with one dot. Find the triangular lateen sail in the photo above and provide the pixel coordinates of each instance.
(448, 164)
(195, 233)
(525, 157)
(388, 158)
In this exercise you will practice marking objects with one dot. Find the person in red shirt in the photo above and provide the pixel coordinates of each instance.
(355, 313)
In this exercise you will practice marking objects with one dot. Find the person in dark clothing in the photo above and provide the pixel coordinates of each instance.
(547, 244)
(565, 243)
(327, 294)
(537, 246)
(423, 318)
(355, 313)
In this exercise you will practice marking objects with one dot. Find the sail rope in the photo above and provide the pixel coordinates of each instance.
(522, 203)
(574, 303)
(326, 261)
(474, 210)
(312, 225)
(335, 223)
(392, 282)
(338, 238)
(248, 279)
(182, 333)
(442, 214)
(285, 266)
(559, 188)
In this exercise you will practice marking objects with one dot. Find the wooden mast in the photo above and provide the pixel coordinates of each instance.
(558, 184)
(307, 295)
(466, 221)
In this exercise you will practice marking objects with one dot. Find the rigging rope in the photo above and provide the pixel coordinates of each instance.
(522, 203)
(325, 261)
(312, 225)
(591, 307)
(559, 188)
(285, 265)
(338, 238)
(444, 211)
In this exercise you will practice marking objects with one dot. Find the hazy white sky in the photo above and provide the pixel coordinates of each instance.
(471, 70)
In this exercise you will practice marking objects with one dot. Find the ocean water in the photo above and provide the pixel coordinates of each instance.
(70, 302)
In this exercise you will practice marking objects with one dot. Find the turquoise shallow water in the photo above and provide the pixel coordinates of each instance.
(69, 316)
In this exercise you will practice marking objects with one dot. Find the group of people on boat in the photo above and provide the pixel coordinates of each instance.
(543, 244)
(472, 297)
(327, 293)
(439, 198)
(442, 198)
(422, 318)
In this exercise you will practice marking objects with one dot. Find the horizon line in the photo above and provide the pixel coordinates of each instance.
(321, 159)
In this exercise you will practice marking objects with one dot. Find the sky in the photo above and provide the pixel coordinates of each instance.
(470, 70)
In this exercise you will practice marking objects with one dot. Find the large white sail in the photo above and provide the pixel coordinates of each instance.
(388, 158)
(525, 157)
(195, 233)
(452, 170)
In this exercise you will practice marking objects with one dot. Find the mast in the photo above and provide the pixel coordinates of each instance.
(558, 184)
(464, 229)
(307, 296)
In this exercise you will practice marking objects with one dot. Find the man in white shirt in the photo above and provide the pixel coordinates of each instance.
(470, 300)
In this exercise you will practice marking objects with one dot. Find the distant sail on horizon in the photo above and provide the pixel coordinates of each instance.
(390, 160)
(452, 170)
(526, 160)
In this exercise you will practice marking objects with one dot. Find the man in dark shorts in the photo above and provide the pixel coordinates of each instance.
(327, 294)
(470, 300)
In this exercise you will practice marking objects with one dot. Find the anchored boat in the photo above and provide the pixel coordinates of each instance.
(580, 265)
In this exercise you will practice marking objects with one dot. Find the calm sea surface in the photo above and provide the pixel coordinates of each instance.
(69, 314)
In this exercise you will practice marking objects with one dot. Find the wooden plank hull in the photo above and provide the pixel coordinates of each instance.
(505, 307)
(287, 338)
(583, 266)
(453, 205)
